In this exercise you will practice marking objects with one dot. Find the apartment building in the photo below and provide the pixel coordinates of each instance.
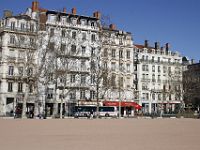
(157, 78)
(17, 60)
(117, 58)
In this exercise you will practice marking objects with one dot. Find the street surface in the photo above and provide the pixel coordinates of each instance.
(100, 134)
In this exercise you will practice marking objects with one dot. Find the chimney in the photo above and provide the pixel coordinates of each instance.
(74, 11)
(7, 13)
(97, 14)
(35, 6)
(157, 45)
(146, 43)
(167, 46)
(64, 10)
(112, 27)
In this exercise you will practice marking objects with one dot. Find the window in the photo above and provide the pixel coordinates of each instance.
(32, 27)
(51, 46)
(92, 94)
(147, 57)
(113, 53)
(93, 38)
(113, 82)
(73, 95)
(73, 78)
(10, 86)
(50, 93)
(159, 69)
(30, 71)
(93, 51)
(159, 78)
(63, 33)
(152, 58)
(63, 46)
(82, 94)
(11, 70)
(158, 59)
(169, 70)
(51, 32)
(128, 54)
(20, 71)
(143, 67)
(83, 50)
(83, 36)
(83, 79)
(92, 79)
(12, 25)
(105, 52)
(92, 24)
(153, 68)
(164, 69)
(121, 54)
(121, 68)
(22, 39)
(12, 39)
(105, 65)
(128, 82)
(20, 87)
(32, 41)
(121, 81)
(22, 26)
(143, 57)
(128, 67)
(83, 64)
(113, 66)
(153, 78)
(74, 35)
(73, 48)
(92, 65)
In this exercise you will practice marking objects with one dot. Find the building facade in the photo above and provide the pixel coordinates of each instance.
(157, 78)
(17, 55)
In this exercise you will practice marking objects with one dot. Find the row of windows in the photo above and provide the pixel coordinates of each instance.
(169, 60)
(165, 68)
(23, 27)
(73, 35)
(21, 40)
(72, 95)
(122, 67)
(113, 53)
(146, 96)
(20, 71)
(20, 87)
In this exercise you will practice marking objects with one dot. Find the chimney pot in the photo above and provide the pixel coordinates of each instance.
(35, 6)
(97, 14)
(112, 26)
(157, 45)
(146, 44)
(167, 46)
(64, 10)
(74, 11)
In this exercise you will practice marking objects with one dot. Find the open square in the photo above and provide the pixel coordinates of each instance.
(100, 134)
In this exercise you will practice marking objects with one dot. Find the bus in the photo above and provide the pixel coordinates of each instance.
(87, 111)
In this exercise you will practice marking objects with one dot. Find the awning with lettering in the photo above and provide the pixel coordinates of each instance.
(123, 104)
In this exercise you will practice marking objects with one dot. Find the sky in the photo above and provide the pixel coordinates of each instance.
(166, 21)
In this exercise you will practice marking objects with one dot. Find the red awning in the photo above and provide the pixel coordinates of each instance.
(123, 104)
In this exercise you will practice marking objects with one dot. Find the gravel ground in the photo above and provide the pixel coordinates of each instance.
(100, 134)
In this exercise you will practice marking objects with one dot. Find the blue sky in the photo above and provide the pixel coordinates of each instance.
(174, 21)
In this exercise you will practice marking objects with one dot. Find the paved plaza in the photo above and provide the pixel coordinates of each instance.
(100, 134)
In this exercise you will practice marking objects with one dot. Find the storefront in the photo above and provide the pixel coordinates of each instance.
(127, 108)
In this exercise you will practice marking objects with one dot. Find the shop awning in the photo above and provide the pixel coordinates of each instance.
(123, 104)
